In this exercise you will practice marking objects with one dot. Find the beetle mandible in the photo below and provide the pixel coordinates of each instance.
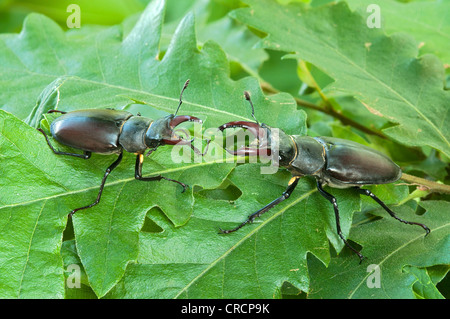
(107, 131)
(332, 161)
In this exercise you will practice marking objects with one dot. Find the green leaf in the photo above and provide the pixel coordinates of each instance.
(234, 38)
(47, 100)
(149, 240)
(406, 249)
(424, 287)
(98, 72)
(237, 41)
(77, 286)
(30, 229)
(384, 73)
(196, 262)
(427, 22)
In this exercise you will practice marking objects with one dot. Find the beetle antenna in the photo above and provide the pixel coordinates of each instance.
(181, 95)
(247, 97)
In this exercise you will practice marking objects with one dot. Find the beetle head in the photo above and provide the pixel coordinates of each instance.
(270, 142)
(164, 131)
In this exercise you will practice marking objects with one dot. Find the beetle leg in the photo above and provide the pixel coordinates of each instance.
(196, 150)
(56, 111)
(333, 201)
(380, 202)
(257, 131)
(86, 154)
(286, 194)
(188, 142)
(177, 120)
(107, 172)
(151, 151)
(138, 173)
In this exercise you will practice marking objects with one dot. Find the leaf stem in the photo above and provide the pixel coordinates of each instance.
(430, 186)
(328, 109)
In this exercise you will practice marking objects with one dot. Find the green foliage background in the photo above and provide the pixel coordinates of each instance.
(312, 67)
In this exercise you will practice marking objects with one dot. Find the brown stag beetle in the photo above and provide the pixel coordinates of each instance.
(107, 131)
(332, 161)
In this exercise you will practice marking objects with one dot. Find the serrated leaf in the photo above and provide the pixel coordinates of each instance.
(431, 33)
(234, 38)
(98, 72)
(384, 73)
(122, 255)
(253, 262)
(424, 288)
(405, 248)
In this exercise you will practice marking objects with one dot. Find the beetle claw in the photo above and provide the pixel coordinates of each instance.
(259, 132)
(361, 258)
(177, 120)
(254, 128)
(426, 229)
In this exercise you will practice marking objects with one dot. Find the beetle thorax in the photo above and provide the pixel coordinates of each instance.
(310, 156)
(132, 137)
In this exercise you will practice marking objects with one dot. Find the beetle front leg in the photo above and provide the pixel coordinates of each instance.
(286, 194)
(380, 202)
(333, 201)
(107, 172)
(138, 174)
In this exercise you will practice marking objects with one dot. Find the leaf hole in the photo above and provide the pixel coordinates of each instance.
(150, 226)
(226, 191)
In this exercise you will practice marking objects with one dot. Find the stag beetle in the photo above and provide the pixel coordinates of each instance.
(107, 131)
(332, 161)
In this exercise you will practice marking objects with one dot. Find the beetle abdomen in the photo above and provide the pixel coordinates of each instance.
(90, 130)
(350, 163)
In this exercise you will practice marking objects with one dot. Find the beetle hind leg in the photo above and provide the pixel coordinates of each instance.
(387, 209)
(333, 201)
(102, 185)
(85, 155)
